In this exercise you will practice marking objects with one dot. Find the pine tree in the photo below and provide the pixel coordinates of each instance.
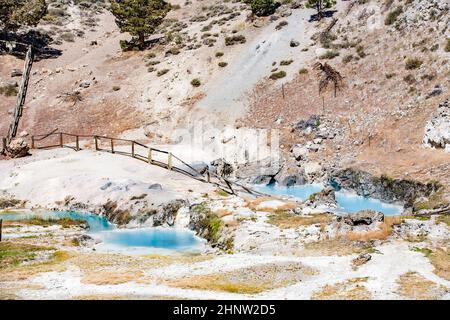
(140, 18)
(262, 7)
(17, 13)
(319, 5)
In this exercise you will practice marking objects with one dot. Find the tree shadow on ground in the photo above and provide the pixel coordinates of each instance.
(18, 45)
(325, 14)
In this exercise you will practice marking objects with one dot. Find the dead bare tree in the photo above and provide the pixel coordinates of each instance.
(328, 75)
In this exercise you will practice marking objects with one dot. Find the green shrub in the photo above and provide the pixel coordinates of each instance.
(278, 75)
(222, 64)
(116, 88)
(330, 54)
(347, 58)
(393, 15)
(262, 7)
(413, 63)
(303, 71)
(219, 54)
(447, 46)
(229, 41)
(9, 90)
(409, 79)
(286, 62)
(360, 51)
(196, 82)
(162, 72)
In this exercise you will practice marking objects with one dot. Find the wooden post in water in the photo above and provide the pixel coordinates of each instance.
(61, 139)
(77, 143)
(112, 145)
(169, 160)
(150, 155)
(132, 148)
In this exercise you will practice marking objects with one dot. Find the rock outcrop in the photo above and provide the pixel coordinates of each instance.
(325, 198)
(437, 130)
(17, 148)
(381, 187)
(363, 217)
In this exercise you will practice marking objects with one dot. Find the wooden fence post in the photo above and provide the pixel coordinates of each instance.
(3, 145)
(96, 143)
(60, 139)
(112, 145)
(132, 148)
(77, 143)
(169, 160)
(150, 155)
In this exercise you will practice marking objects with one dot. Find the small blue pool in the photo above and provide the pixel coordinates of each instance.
(348, 202)
(112, 237)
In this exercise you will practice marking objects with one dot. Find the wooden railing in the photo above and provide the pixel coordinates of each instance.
(139, 151)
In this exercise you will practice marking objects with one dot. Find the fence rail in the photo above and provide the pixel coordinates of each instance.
(139, 151)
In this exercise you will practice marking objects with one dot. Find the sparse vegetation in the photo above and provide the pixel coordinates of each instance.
(284, 219)
(222, 64)
(351, 289)
(196, 82)
(9, 90)
(303, 71)
(414, 286)
(219, 54)
(447, 46)
(278, 75)
(393, 15)
(162, 72)
(251, 280)
(236, 39)
(13, 254)
(413, 63)
(286, 62)
(330, 54)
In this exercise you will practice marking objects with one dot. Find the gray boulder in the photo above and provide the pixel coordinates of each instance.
(17, 148)
(222, 168)
(155, 186)
(326, 197)
(437, 130)
(363, 217)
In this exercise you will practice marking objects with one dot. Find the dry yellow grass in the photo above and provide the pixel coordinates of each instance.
(414, 286)
(124, 297)
(102, 277)
(440, 259)
(253, 204)
(250, 280)
(351, 289)
(338, 246)
(285, 220)
(383, 232)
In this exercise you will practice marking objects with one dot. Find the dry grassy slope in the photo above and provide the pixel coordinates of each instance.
(376, 100)
(145, 97)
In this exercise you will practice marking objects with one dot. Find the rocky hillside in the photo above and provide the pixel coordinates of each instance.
(212, 60)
